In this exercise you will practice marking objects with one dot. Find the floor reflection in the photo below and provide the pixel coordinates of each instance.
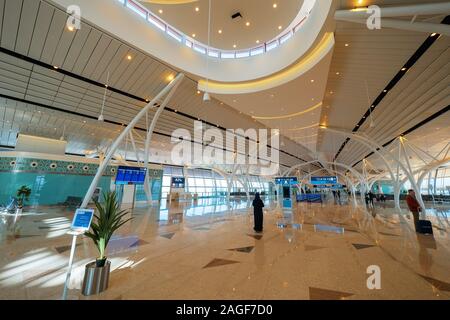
(327, 242)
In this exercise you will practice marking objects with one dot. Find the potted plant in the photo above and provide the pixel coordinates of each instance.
(107, 220)
(23, 194)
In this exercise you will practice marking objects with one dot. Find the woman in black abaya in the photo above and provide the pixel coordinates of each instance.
(258, 206)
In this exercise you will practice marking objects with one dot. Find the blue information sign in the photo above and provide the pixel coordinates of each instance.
(82, 219)
(286, 181)
(324, 180)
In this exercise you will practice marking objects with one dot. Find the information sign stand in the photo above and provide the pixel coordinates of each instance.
(80, 224)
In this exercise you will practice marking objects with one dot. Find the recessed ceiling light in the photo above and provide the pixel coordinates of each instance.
(220, 31)
(403, 69)
(279, 27)
(160, 11)
(129, 57)
(274, 5)
(197, 9)
(193, 35)
(71, 28)
(170, 77)
(331, 92)
(55, 67)
(360, 1)
(312, 80)
(234, 46)
(433, 34)
(337, 73)
(384, 90)
(198, 91)
(257, 41)
(346, 44)
(247, 23)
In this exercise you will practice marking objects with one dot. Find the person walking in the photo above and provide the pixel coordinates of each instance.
(258, 206)
(414, 207)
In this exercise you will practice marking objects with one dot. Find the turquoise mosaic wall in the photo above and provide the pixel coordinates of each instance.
(52, 182)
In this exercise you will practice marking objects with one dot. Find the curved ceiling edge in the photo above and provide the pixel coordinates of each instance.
(325, 45)
(112, 17)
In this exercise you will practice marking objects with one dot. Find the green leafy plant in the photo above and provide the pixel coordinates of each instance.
(23, 194)
(108, 219)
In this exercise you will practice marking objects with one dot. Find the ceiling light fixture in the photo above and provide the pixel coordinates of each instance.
(346, 44)
(197, 9)
(274, 5)
(312, 80)
(279, 27)
(193, 35)
(403, 69)
(234, 46)
(247, 24)
(100, 117)
(337, 73)
(129, 57)
(170, 77)
(70, 28)
(257, 41)
(206, 96)
(433, 34)
(220, 31)
(160, 11)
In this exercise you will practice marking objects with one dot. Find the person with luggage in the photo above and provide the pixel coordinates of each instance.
(414, 207)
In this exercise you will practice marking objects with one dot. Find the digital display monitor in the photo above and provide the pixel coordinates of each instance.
(286, 181)
(324, 180)
(177, 182)
(130, 175)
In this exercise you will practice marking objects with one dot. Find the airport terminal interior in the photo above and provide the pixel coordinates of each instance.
(224, 149)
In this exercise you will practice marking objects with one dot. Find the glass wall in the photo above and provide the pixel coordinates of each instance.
(208, 184)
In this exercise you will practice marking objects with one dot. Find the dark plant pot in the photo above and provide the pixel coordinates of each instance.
(95, 278)
(100, 262)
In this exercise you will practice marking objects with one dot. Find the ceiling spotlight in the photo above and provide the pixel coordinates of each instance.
(337, 73)
(197, 9)
(198, 91)
(220, 31)
(403, 69)
(279, 27)
(55, 67)
(247, 23)
(312, 80)
(70, 28)
(433, 34)
(384, 90)
(346, 44)
(193, 35)
(129, 57)
(331, 92)
(170, 77)
(257, 41)
(234, 46)
(160, 11)
(274, 5)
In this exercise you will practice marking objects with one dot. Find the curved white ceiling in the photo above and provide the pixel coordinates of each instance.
(124, 23)
(264, 20)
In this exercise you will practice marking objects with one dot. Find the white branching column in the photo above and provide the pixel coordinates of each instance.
(167, 90)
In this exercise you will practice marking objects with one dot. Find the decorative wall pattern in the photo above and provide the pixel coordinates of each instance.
(51, 166)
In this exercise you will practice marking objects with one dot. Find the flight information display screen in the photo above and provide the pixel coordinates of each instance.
(324, 180)
(286, 181)
(130, 175)
(177, 182)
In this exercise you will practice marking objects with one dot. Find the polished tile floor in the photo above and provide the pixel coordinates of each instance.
(208, 250)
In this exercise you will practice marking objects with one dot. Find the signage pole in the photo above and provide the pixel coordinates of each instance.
(69, 271)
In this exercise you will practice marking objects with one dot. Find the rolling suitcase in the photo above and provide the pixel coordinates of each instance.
(425, 227)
